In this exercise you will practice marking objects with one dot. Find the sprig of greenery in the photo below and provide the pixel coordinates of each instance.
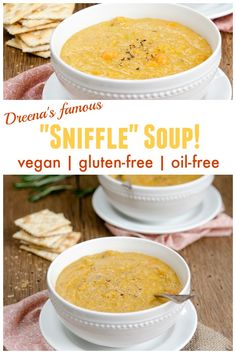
(44, 185)
(45, 180)
(48, 190)
(81, 193)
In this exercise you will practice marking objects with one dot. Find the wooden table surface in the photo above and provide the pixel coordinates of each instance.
(16, 62)
(210, 259)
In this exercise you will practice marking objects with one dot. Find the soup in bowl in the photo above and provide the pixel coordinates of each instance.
(135, 49)
(92, 264)
(156, 180)
(111, 51)
(113, 281)
(155, 198)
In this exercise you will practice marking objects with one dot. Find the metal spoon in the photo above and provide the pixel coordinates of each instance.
(127, 183)
(178, 299)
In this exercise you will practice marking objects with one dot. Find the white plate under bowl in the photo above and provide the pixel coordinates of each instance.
(60, 338)
(211, 11)
(203, 213)
(219, 89)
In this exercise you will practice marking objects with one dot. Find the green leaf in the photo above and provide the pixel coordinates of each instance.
(32, 178)
(81, 193)
(41, 182)
(48, 190)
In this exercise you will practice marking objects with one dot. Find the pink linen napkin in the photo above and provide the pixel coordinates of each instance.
(221, 225)
(225, 23)
(29, 84)
(21, 324)
(22, 332)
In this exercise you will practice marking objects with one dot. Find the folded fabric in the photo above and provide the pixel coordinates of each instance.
(21, 324)
(221, 225)
(27, 85)
(225, 23)
(22, 332)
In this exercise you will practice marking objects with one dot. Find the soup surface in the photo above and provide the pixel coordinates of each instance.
(125, 48)
(156, 180)
(114, 281)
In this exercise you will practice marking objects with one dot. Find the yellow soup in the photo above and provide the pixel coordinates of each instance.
(156, 180)
(125, 48)
(117, 282)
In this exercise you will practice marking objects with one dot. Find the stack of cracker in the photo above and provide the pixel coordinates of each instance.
(45, 234)
(33, 24)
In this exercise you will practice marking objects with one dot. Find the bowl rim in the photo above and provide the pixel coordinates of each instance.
(106, 80)
(116, 314)
(180, 187)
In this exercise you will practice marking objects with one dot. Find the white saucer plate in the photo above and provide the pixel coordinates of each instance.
(212, 11)
(219, 89)
(203, 213)
(60, 338)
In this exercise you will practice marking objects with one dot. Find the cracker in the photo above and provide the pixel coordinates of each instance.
(52, 12)
(17, 43)
(13, 12)
(17, 28)
(45, 54)
(67, 242)
(35, 23)
(47, 242)
(42, 222)
(37, 38)
(14, 42)
(50, 256)
(60, 231)
(26, 49)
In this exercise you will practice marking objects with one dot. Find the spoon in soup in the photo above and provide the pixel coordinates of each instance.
(126, 183)
(178, 299)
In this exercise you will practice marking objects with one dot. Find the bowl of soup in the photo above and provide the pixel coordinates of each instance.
(155, 198)
(136, 51)
(103, 290)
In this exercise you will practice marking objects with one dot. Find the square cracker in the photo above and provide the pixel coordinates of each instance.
(41, 253)
(60, 231)
(13, 12)
(17, 28)
(14, 42)
(61, 245)
(51, 12)
(17, 43)
(42, 222)
(31, 24)
(44, 54)
(47, 242)
(37, 38)
(69, 241)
